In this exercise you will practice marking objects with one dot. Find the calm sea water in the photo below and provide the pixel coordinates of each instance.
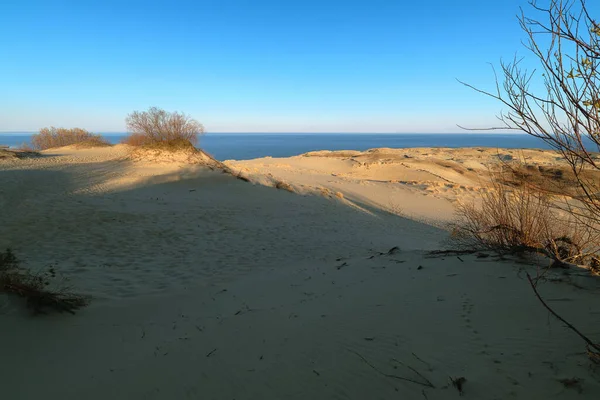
(244, 146)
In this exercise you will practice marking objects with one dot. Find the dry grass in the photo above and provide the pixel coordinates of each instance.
(52, 137)
(520, 218)
(284, 186)
(37, 289)
(560, 180)
(17, 154)
(239, 175)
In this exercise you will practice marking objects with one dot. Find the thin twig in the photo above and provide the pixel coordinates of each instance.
(414, 370)
(581, 335)
(427, 384)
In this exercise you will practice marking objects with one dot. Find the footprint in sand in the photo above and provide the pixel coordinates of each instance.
(467, 309)
(485, 349)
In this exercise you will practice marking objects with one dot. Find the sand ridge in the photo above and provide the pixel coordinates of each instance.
(421, 183)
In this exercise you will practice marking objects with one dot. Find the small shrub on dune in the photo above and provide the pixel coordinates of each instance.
(521, 219)
(36, 289)
(52, 137)
(160, 129)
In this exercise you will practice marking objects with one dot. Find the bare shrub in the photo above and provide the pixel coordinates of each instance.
(171, 145)
(521, 218)
(36, 288)
(565, 111)
(53, 137)
(134, 139)
(157, 126)
(26, 147)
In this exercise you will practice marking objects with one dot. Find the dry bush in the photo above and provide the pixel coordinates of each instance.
(53, 137)
(36, 288)
(160, 127)
(135, 139)
(559, 180)
(17, 154)
(558, 100)
(520, 219)
(26, 147)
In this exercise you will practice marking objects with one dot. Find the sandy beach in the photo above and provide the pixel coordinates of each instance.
(315, 279)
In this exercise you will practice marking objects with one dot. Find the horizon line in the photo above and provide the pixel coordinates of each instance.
(297, 133)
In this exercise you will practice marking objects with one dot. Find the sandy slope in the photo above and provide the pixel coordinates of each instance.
(208, 287)
(422, 183)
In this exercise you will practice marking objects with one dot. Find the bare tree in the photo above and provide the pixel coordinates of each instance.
(157, 125)
(565, 42)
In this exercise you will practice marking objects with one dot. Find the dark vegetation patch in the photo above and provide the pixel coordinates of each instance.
(39, 290)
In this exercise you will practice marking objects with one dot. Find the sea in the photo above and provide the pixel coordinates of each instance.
(245, 146)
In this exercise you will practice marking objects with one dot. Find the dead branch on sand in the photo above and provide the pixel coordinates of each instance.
(593, 349)
(34, 288)
(426, 382)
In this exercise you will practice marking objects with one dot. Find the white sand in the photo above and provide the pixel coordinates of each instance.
(208, 287)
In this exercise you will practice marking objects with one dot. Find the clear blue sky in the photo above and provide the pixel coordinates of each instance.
(254, 65)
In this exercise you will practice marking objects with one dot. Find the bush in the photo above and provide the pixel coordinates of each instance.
(57, 137)
(159, 127)
(558, 100)
(520, 219)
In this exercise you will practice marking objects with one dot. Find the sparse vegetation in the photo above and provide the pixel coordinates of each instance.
(284, 186)
(134, 139)
(26, 147)
(171, 145)
(17, 153)
(564, 113)
(520, 218)
(565, 43)
(157, 128)
(38, 290)
(52, 137)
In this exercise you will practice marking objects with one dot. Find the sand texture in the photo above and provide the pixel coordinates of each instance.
(420, 183)
(206, 286)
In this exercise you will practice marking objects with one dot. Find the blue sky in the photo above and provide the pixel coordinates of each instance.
(254, 65)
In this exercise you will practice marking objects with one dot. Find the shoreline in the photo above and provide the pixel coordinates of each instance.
(246, 146)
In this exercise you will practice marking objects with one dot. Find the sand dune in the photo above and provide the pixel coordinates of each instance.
(421, 183)
(209, 287)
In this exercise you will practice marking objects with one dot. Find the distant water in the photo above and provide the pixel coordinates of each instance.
(244, 146)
